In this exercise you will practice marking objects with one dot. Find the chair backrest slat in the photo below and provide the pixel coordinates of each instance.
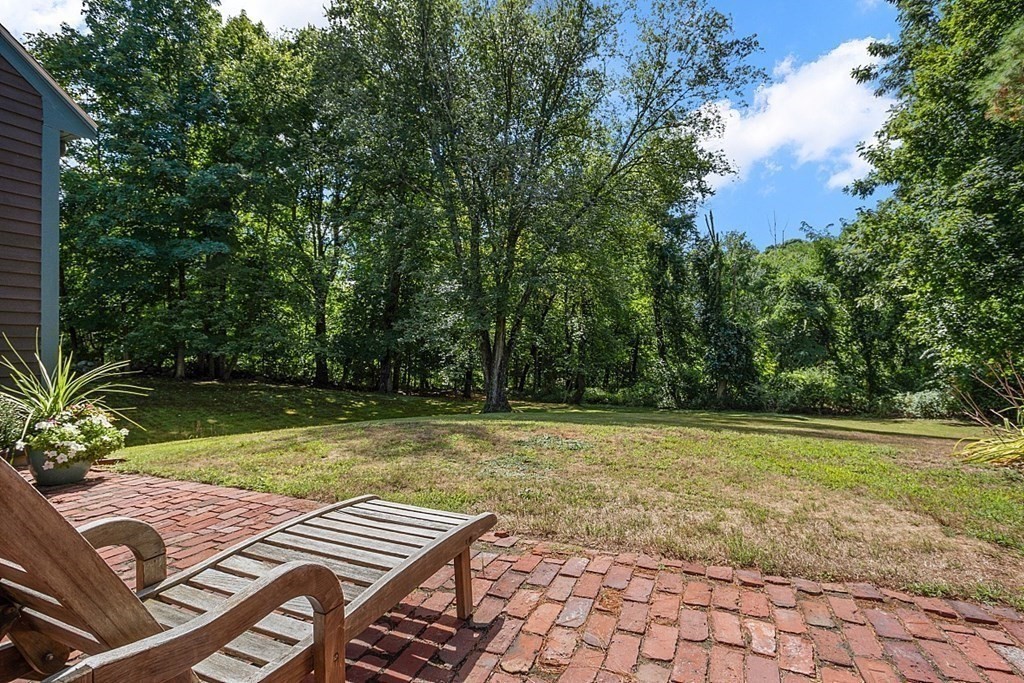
(83, 591)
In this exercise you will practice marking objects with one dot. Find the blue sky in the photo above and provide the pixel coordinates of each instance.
(793, 145)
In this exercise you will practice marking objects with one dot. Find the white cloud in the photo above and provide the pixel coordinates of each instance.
(278, 14)
(31, 16)
(813, 113)
(22, 17)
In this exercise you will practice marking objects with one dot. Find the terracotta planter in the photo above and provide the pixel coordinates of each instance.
(58, 475)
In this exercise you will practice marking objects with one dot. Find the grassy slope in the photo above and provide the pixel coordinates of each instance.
(816, 497)
(188, 410)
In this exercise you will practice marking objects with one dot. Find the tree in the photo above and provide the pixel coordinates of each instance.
(529, 138)
(951, 232)
(152, 205)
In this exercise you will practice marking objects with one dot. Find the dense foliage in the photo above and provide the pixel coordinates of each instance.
(458, 195)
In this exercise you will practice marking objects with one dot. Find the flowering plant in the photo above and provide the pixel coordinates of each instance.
(82, 432)
(67, 418)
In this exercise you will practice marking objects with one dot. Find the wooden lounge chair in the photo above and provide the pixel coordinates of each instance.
(275, 607)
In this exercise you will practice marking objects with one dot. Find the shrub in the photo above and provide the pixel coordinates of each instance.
(818, 389)
(928, 404)
(12, 424)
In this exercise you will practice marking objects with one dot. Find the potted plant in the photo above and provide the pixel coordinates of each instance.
(68, 425)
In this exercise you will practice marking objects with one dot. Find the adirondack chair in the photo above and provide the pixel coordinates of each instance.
(273, 608)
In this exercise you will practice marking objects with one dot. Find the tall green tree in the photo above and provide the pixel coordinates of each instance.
(952, 230)
(152, 214)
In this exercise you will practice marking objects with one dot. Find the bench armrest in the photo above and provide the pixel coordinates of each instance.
(143, 540)
(169, 656)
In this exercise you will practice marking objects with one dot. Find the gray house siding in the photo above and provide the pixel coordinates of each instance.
(21, 193)
(36, 117)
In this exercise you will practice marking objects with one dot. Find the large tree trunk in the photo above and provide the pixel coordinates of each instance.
(321, 375)
(388, 382)
(386, 376)
(495, 362)
(179, 361)
(579, 388)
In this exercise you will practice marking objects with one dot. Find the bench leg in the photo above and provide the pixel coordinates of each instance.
(463, 585)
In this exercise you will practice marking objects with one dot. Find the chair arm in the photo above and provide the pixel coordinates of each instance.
(143, 540)
(170, 655)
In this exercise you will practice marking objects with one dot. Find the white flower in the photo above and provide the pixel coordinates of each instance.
(20, 446)
(50, 454)
(42, 425)
(48, 465)
(62, 458)
(123, 431)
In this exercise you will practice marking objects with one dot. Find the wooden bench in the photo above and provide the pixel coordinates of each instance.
(274, 607)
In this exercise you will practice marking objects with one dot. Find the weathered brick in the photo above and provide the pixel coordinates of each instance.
(574, 567)
(830, 647)
(862, 641)
(790, 621)
(639, 589)
(665, 608)
(561, 588)
(979, 652)
(845, 609)
(693, 625)
(876, 671)
(796, 654)
(781, 596)
(520, 657)
(725, 597)
(575, 612)
(618, 577)
(886, 625)
(697, 593)
(725, 627)
(816, 613)
(690, 665)
(558, 648)
(754, 604)
(633, 617)
(622, 653)
(749, 577)
(762, 636)
(951, 662)
(598, 632)
(726, 665)
(919, 625)
(720, 573)
(911, 663)
(543, 618)
(660, 643)
(762, 669)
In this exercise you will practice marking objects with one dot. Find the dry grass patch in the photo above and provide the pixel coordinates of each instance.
(895, 513)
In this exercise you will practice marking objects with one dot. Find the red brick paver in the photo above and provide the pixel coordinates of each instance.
(543, 615)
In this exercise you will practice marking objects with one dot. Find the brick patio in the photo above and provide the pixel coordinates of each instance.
(546, 614)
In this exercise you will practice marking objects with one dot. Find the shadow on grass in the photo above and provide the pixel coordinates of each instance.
(756, 423)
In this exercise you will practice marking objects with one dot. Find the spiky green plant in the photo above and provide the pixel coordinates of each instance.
(46, 392)
(1005, 445)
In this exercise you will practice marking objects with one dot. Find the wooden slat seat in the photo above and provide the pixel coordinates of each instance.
(376, 552)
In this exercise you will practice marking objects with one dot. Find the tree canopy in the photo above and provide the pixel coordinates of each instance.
(458, 195)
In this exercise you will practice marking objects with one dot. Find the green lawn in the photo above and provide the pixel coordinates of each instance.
(829, 498)
(189, 410)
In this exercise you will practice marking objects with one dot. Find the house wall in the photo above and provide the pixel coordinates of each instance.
(21, 171)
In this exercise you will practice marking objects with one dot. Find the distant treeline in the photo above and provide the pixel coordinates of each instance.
(463, 196)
